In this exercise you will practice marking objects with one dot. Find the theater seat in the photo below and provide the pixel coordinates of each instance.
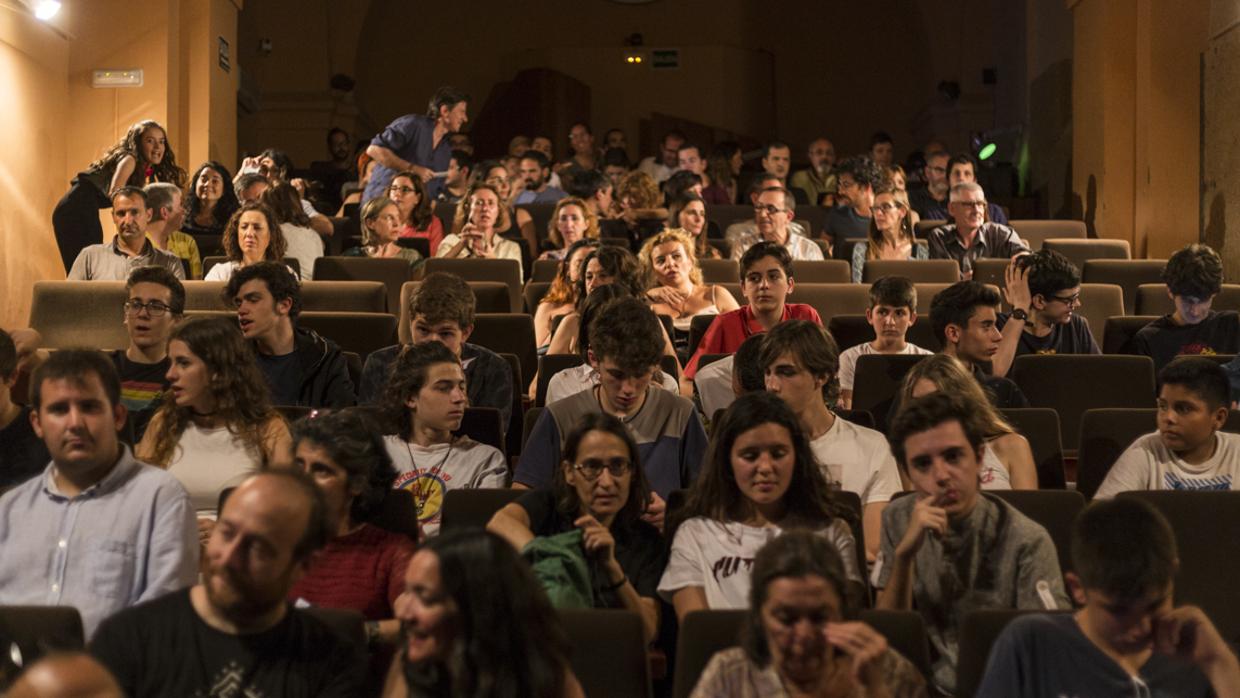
(533, 294)
(1098, 303)
(877, 381)
(1073, 383)
(40, 630)
(1040, 426)
(548, 366)
(506, 271)
(1080, 251)
(544, 269)
(508, 333)
(1054, 510)
(722, 271)
(916, 270)
(827, 271)
(978, 632)
(1128, 274)
(473, 508)
(608, 651)
(1118, 333)
(79, 313)
(850, 330)
(702, 634)
(482, 424)
(392, 273)
(1152, 299)
(1035, 232)
(922, 228)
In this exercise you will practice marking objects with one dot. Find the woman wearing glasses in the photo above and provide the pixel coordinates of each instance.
(415, 213)
(599, 489)
(891, 233)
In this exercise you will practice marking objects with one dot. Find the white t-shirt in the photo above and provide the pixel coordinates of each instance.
(304, 245)
(848, 360)
(583, 377)
(714, 387)
(1149, 465)
(859, 459)
(224, 271)
(719, 556)
(208, 461)
(994, 475)
(428, 473)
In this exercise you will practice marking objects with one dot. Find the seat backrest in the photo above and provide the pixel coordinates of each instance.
(826, 271)
(531, 418)
(506, 271)
(1152, 299)
(813, 217)
(513, 430)
(1207, 528)
(548, 366)
(719, 271)
(208, 295)
(397, 513)
(79, 313)
(41, 630)
(609, 651)
(832, 299)
(390, 272)
(698, 325)
(1040, 426)
(1057, 380)
(482, 424)
(851, 330)
(361, 333)
(1054, 510)
(343, 296)
(1105, 434)
(917, 270)
(905, 632)
(877, 381)
(544, 269)
(723, 216)
(1035, 232)
(540, 215)
(978, 632)
(473, 508)
(445, 212)
(508, 333)
(1128, 274)
(1079, 251)
(1099, 302)
(990, 270)
(533, 294)
(702, 634)
(922, 228)
(1118, 332)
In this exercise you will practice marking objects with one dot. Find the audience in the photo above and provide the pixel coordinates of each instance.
(1044, 289)
(676, 287)
(217, 427)
(599, 491)
(817, 180)
(856, 179)
(773, 210)
(723, 168)
(800, 361)
(536, 175)
(455, 182)
(416, 143)
(164, 229)
(561, 297)
(211, 200)
(1194, 276)
(799, 637)
(1126, 637)
(638, 198)
(759, 479)
(947, 549)
(476, 623)
(960, 169)
(22, 452)
(882, 149)
(965, 320)
(474, 229)
(777, 161)
(602, 266)
(253, 236)
(890, 234)
(442, 310)
(300, 367)
(660, 167)
(1188, 451)
(571, 221)
(930, 202)
(414, 213)
(97, 529)
(1007, 460)
(235, 628)
(425, 401)
(381, 233)
(892, 311)
(970, 235)
(301, 242)
(129, 249)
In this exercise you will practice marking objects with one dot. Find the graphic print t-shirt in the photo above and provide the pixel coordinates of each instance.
(428, 473)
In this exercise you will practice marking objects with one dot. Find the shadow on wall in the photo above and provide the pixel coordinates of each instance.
(1215, 233)
(1070, 208)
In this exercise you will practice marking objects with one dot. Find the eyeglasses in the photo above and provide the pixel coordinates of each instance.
(1068, 300)
(400, 190)
(938, 170)
(974, 204)
(154, 308)
(591, 469)
(887, 208)
(767, 209)
(497, 181)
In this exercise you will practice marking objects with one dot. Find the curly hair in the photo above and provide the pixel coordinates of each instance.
(407, 379)
(224, 208)
(563, 289)
(640, 188)
(862, 169)
(353, 442)
(1049, 273)
(166, 170)
(589, 307)
(276, 246)
(464, 210)
(553, 231)
(236, 384)
(627, 332)
(420, 216)
(1195, 270)
(281, 283)
(617, 263)
(668, 236)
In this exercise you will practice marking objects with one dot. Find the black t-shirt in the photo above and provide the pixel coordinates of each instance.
(1072, 338)
(1162, 340)
(162, 648)
(22, 454)
(639, 548)
(283, 374)
(142, 388)
(1003, 392)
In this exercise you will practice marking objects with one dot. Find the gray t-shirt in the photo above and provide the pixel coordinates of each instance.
(995, 557)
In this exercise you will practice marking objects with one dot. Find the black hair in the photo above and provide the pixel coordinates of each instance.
(225, 207)
(282, 162)
(880, 137)
(616, 157)
(689, 145)
(1195, 271)
(408, 377)
(627, 332)
(927, 412)
(537, 156)
(130, 193)
(160, 275)
(589, 307)
(766, 150)
(281, 284)
(74, 365)
(639, 487)
(813, 347)
(962, 159)
(955, 304)
(1049, 273)
(766, 249)
(894, 291)
(747, 364)
(862, 169)
(353, 442)
(463, 159)
(1203, 377)
(586, 184)
(679, 184)
(618, 263)
(445, 97)
(1124, 548)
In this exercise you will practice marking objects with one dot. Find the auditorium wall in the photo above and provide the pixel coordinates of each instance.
(1220, 187)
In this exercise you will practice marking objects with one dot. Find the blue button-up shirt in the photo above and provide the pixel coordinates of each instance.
(411, 138)
(128, 538)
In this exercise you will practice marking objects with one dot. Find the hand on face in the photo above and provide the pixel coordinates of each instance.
(863, 645)
(926, 517)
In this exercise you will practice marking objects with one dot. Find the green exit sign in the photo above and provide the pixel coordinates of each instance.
(665, 58)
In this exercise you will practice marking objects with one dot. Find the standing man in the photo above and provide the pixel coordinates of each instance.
(970, 235)
(417, 143)
(818, 181)
(97, 530)
(167, 208)
(855, 180)
(129, 249)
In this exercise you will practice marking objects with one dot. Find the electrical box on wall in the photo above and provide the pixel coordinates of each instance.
(129, 77)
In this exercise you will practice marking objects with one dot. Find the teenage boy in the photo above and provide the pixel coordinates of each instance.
(626, 345)
(719, 383)
(963, 316)
(800, 361)
(428, 392)
(948, 549)
(1194, 275)
(766, 282)
(1044, 289)
(1188, 452)
(1127, 639)
(22, 453)
(442, 310)
(301, 367)
(893, 309)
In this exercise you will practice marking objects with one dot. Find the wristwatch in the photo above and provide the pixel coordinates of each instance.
(1020, 314)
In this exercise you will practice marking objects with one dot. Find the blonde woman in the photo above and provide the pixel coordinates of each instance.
(891, 233)
(381, 228)
(1007, 461)
(675, 281)
(571, 220)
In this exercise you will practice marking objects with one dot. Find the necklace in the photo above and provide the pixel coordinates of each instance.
(424, 485)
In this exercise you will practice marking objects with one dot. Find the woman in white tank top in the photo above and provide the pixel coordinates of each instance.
(1007, 462)
(215, 425)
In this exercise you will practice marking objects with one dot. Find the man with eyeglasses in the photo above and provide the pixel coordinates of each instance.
(1044, 289)
(855, 180)
(773, 210)
(931, 202)
(130, 248)
(971, 236)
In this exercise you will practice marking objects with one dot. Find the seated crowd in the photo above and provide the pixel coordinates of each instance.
(211, 495)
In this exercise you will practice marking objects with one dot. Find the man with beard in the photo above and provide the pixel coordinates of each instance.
(535, 170)
(235, 633)
(855, 180)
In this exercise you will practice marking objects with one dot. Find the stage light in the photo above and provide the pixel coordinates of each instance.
(987, 151)
(46, 9)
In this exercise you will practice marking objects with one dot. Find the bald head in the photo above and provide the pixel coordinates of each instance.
(66, 676)
(288, 504)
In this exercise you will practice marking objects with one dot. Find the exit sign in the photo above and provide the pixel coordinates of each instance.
(665, 58)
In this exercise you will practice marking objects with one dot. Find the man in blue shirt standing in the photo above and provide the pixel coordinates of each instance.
(418, 143)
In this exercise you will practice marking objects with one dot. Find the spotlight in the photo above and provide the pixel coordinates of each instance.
(46, 9)
(986, 151)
